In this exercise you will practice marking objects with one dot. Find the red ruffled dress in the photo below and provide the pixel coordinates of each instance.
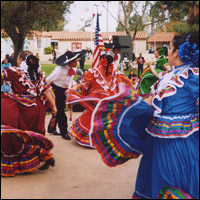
(23, 144)
(24, 107)
(95, 85)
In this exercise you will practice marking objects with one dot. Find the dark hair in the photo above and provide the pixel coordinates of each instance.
(157, 49)
(191, 41)
(33, 65)
(180, 39)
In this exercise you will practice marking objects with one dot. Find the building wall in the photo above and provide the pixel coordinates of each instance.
(158, 44)
(37, 45)
(139, 47)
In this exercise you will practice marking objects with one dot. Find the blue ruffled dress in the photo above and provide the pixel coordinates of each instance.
(167, 137)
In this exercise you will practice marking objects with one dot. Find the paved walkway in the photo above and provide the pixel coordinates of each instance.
(79, 173)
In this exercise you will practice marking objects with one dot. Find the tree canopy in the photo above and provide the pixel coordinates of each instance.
(19, 17)
(183, 15)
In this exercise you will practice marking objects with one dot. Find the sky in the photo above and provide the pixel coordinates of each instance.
(83, 10)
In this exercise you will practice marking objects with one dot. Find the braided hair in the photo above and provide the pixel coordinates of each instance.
(33, 65)
(109, 60)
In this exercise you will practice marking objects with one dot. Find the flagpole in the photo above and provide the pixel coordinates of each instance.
(91, 29)
(91, 38)
(107, 16)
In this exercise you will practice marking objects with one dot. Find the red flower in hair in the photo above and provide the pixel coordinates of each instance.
(103, 62)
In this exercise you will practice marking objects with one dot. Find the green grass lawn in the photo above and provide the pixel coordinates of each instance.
(48, 68)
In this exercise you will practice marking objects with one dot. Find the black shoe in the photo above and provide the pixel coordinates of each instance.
(66, 137)
(53, 131)
(50, 130)
(56, 133)
(49, 162)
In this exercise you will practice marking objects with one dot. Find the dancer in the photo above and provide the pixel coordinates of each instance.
(61, 79)
(96, 84)
(151, 73)
(22, 114)
(24, 107)
(170, 142)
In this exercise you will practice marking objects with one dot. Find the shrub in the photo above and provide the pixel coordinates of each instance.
(48, 50)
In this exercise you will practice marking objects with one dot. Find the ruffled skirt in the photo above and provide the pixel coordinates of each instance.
(119, 135)
(22, 151)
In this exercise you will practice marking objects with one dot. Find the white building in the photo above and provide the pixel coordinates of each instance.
(65, 40)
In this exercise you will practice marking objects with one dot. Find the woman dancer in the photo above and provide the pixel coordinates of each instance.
(22, 149)
(24, 107)
(170, 144)
(151, 73)
(96, 84)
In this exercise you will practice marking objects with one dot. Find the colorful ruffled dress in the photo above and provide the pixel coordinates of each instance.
(25, 106)
(23, 110)
(95, 85)
(151, 75)
(169, 141)
(22, 151)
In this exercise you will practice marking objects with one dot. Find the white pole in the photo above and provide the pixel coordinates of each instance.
(91, 30)
(107, 16)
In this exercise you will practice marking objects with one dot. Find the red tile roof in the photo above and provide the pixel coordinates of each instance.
(84, 36)
(78, 36)
(162, 37)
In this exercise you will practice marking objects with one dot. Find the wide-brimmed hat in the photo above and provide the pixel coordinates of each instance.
(115, 45)
(68, 57)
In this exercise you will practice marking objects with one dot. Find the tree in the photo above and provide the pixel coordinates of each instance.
(183, 15)
(132, 24)
(88, 23)
(128, 8)
(18, 18)
(132, 19)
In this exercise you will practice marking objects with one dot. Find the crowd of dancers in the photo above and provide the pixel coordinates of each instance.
(159, 119)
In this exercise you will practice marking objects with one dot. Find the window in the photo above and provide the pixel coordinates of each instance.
(76, 47)
(54, 43)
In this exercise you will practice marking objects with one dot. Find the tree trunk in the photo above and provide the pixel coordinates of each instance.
(18, 41)
(133, 39)
(193, 12)
(18, 47)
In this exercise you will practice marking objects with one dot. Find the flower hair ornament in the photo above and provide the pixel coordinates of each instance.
(103, 62)
(108, 67)
(188, 52)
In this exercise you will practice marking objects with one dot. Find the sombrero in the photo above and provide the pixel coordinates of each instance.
(68, 57)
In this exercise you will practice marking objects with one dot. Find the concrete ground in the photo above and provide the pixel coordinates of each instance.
(79, 173)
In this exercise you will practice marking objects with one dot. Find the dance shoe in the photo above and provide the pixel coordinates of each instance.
(49, 162)
(66, 137)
